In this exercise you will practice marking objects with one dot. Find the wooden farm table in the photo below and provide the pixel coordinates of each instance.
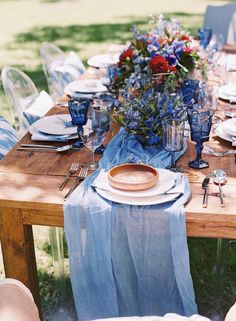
(29, 196)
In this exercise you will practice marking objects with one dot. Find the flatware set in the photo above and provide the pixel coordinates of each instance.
(81, 176)
(73, 169)
(45, 148)
(219, 178)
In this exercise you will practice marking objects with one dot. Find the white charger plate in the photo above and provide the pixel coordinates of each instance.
(151, 196)
(220, 131)
(85, 86)
(147, 200)
(230, 126)
(227, 91)
(103, 60)
(53, 125)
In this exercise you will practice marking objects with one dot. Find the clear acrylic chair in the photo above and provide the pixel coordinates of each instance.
(59, 68)
(8, 137)
(218, 18)
(51, 54)
(21, 93)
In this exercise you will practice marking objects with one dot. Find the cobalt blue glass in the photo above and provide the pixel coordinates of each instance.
(78, 111)
(204, 35)
(200, 121)
(189, 89)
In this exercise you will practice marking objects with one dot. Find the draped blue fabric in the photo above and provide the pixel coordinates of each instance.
(8, 137)
(128, 260)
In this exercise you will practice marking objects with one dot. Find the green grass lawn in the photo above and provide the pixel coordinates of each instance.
(88, 27)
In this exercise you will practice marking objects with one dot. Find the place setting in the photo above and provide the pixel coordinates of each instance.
(227, 93)
(85, 88)
(103, 60)
(227, 130)
(137, 184)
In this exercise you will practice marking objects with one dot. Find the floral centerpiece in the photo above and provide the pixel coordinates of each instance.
(150, 73)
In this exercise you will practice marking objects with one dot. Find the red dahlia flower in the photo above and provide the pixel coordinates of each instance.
(185, 38)
(159, 64)
(128, 53)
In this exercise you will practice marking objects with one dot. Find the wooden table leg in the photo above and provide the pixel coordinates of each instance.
(18, 250)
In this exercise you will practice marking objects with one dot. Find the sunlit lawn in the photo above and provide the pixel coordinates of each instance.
(88, 27)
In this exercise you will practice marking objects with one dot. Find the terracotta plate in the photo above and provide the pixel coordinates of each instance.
(133, 177)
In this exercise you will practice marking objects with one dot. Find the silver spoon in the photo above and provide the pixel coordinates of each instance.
(219, 178)
(56, 149)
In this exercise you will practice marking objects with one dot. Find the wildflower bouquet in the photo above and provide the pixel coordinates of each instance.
(150, 73)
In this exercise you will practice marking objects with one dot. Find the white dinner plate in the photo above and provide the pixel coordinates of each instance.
(85, 86)
(229, 90)
(230, 126)
(220, 131)
(53, 125)
(103, 60)
(155, 195)
(148, 200)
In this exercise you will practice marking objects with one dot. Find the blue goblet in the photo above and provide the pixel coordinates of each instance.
(200, 121)
(78, 111)
(204, 35)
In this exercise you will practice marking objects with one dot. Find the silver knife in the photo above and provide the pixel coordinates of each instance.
(205, 186)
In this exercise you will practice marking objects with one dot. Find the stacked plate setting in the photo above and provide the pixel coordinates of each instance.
(228, 92)
(165, 190)
(84, 88)
(227, 130)
(103, 60)
(54, 128)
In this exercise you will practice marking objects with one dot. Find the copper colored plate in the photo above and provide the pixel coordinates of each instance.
(133, 177)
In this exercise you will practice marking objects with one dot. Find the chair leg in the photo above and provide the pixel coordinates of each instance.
(219, 257)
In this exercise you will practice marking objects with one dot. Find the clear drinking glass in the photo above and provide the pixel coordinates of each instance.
(94, 132)
(173, 136)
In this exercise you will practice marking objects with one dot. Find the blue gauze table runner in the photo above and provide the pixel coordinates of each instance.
(128, 260)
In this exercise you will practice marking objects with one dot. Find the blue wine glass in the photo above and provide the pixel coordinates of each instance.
(200, 121)
(78, 111)
(204, 35)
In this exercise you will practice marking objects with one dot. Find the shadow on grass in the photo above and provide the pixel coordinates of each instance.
(96, 33)
(71, 35)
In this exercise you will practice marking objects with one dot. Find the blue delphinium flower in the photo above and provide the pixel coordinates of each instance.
(153, 138)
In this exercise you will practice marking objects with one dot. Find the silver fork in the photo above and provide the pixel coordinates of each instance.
(73, 169)
(82, 175)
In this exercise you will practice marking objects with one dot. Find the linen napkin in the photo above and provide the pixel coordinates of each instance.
(128, 260)
(37, 110)
(71, 65)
